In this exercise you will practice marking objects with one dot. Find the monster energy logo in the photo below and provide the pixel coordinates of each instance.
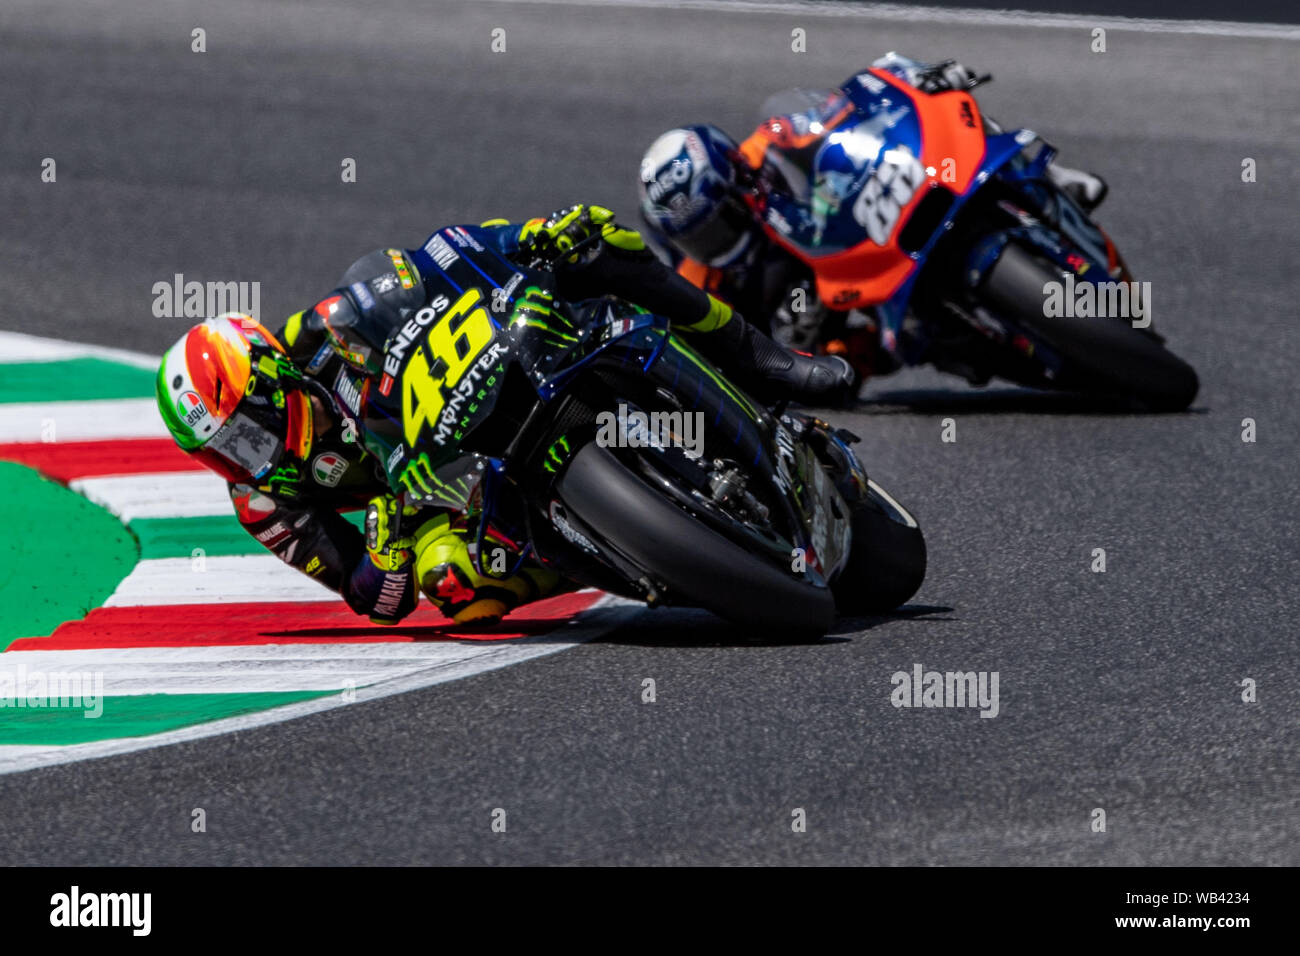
(553, 456)
(464, 389)
(420, 481)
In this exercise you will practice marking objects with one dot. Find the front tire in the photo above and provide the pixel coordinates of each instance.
(888, 558)
(697, 566)
(1102, 355)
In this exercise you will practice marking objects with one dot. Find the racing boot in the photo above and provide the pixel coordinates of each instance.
(767, 370)
(446, 574)
(757, 363)
(1087, 189)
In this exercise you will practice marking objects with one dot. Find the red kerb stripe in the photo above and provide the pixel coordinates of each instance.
(204, 625)
(66, 461)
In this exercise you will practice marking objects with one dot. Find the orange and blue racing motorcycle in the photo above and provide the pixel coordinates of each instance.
(947, 236)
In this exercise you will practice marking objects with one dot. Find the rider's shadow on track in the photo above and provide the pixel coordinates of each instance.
(541, 630)
(676, 627)
(1010, 400)
(686, 627)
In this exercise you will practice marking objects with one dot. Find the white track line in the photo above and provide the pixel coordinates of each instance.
(951, 15)
(225, 579)
(608, 614)
(124, 672)
(74, 421)
(255, 655)
(14, 752)
(180, 494)
(19, 347)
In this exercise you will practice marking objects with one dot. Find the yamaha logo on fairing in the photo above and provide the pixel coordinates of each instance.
(443, 254)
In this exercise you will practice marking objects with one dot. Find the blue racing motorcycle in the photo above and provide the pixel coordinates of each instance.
(590, 438)
(947, 239)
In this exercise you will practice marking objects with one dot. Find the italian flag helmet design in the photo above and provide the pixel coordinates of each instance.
(225, 393)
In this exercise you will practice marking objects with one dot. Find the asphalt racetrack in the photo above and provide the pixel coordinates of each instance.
(1119, 690)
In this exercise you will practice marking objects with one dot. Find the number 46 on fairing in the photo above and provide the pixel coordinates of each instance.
(453, 344)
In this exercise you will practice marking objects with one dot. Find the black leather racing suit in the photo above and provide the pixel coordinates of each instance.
(297, 511)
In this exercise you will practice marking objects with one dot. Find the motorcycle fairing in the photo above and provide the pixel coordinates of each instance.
(900, 138)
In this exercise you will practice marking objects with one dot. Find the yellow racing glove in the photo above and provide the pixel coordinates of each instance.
(548, 239)
(391, 555)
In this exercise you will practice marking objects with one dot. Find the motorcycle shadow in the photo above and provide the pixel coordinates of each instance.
(667, 627)
(1010, 400)
(847, 624)
(539, 631)
(690, 627)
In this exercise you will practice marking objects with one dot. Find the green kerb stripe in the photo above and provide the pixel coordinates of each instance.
(134, 716)
(60, 555)
(217, 535)
(73, 380)
(178, 537)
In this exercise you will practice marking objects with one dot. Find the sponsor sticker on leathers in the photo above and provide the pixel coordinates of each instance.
(327, 468)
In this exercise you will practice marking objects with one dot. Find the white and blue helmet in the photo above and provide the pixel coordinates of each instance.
(689, 194)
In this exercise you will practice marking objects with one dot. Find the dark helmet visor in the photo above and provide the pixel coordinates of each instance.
(249, 444)
(720, 236)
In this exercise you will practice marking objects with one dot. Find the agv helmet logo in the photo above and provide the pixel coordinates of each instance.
(328, 468)
(190, 408)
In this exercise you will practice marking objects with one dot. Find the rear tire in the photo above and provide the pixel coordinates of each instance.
(697, 566)
(1102, 355)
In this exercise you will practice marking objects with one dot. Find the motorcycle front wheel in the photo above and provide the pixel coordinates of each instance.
(694, 564)
(1102, 355)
